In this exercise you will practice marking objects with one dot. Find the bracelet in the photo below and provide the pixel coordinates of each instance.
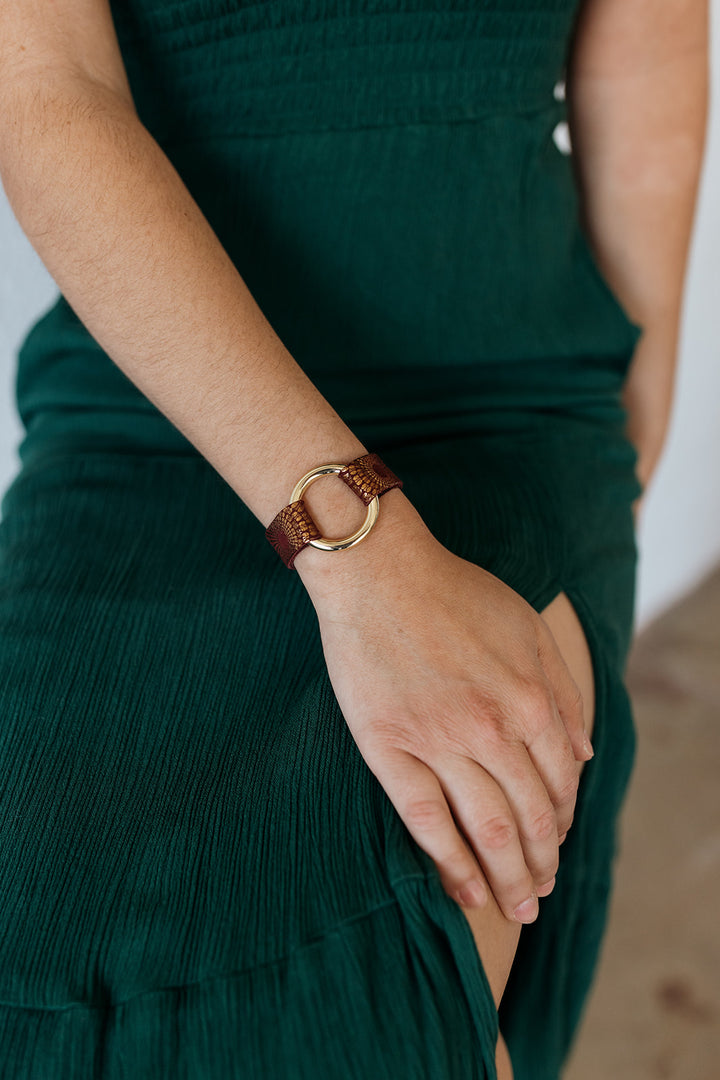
(292, 529)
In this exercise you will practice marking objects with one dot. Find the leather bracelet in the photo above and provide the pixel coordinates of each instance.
(293, 528)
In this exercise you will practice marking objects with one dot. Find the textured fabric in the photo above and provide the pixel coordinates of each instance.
(200, 877)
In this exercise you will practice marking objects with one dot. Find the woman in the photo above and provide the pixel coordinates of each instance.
(243, 806)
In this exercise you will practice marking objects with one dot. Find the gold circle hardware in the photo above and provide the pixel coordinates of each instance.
(324, 542)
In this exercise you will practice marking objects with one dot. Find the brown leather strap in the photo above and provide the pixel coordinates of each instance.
(293, 528)
(369, 476)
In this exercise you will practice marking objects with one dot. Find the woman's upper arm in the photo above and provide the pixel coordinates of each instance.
(41, 39)
(620, 38)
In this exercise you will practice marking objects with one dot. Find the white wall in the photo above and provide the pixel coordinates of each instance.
(679, 533)
(26, 289)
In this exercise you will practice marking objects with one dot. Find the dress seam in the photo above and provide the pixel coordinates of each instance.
(183, 138)
(104, 1005)
(166, 33)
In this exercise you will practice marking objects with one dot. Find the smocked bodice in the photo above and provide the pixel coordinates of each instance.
(299, 64)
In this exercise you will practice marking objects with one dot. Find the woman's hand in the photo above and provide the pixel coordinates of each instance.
(462, 706)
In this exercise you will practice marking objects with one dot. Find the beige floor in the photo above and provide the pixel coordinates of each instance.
(655, 1009)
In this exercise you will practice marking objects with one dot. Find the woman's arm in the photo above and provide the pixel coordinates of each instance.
(637, 89)
(448, 709)
(135, 257)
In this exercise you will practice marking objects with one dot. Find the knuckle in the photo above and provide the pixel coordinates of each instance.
(496, 832)
(550, 872)
(426, 814)
(576, 700)
(501, 728)
(543, 826)
(546, 870)
(567, 791)
(459, 864)
(538, 704)
(543, 879)
(492, 716)
(460, 869)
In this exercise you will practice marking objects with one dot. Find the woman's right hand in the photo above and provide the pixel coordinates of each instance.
(462, 706)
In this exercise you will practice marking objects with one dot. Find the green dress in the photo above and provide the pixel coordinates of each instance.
(200, 877)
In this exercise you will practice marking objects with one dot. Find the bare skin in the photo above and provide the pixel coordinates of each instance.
(495, 936)
(471, 714)
(124, 240)
(127, 245)
(637, 96)
(637, 90)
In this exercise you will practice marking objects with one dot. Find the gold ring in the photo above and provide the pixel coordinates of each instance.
(323, 542)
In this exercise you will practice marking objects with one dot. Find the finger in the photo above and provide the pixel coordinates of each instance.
(512, 768)
(415, 792)
(567, 693)
(548, 744)
(486, 819)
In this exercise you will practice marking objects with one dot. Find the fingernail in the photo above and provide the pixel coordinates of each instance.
(546, 889)
(472, 895)
(528, 910)
(588, 748)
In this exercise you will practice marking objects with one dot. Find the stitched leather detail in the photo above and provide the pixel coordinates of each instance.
(291, 531)
(368, 476)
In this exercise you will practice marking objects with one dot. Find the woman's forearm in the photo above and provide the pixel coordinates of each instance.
(135, 257)
(637, 90)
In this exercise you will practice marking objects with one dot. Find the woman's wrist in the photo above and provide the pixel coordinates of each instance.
(398, 532)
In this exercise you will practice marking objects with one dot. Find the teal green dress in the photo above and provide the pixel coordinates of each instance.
(200, 877)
